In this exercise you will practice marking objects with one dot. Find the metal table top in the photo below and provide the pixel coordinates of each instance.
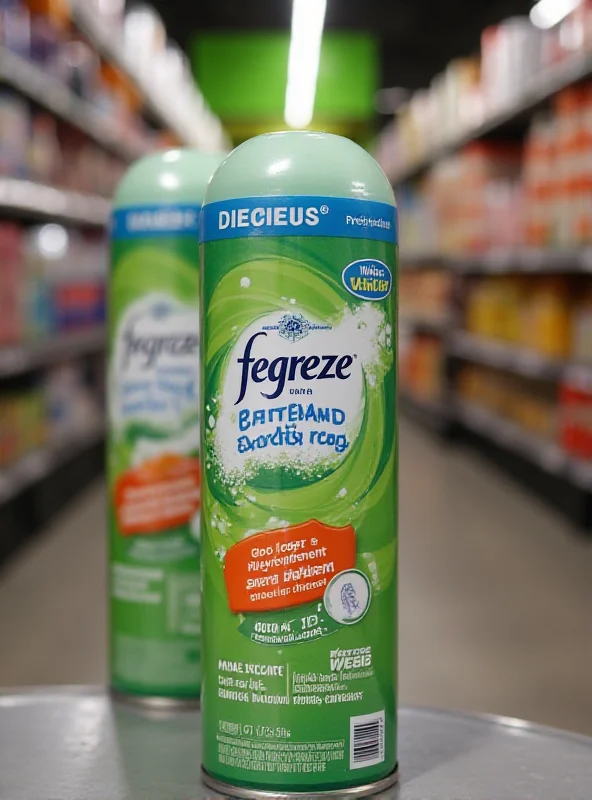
(76, 744)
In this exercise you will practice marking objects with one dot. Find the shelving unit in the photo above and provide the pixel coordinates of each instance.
(435, 416)
(544, 465)
(21, 358)
(563, 483)
(436, 327)
(542, 88)
(30, 199)
(35, 84)
(546, 455)
(504, 261)
(203, 130)
(507, 357)
(35, 486)
(39, 464)
(34, 489)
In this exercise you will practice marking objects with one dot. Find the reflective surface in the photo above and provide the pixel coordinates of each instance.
(78, 745)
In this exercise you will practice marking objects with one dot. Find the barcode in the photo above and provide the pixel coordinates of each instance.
(366, 740)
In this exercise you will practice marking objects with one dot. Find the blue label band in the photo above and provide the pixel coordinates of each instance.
(299, 216)
(155, 220)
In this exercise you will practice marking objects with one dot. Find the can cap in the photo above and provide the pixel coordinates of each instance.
(180, 175)
(300, 163)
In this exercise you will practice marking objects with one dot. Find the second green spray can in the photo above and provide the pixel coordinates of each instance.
(153, 438)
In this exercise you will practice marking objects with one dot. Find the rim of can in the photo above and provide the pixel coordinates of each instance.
(155, 703)
(366, 790)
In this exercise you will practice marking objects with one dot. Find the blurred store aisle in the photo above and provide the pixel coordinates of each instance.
(496, 596)
(52, 609)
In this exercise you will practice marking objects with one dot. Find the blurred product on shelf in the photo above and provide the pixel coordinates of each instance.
(424, 295)
(470, 202)
(511, 54)
(43, 34)
(495, 196)
(475, 198)
(48, 28)
(45, 157)
(537, 313)
(23, 423)
(516, 60)
(74, 403)
(530, 404)
(421, 367)
(582, 327)
(137, 45)
(108, 14)
(35, 145)
(14, 135)
(576, 419)
(418, 223)
(15, 26)
(144, 37)
(52, 281)
(558, 172)
(573, 36)
(11, 283)
(116, 96)
(66, 402)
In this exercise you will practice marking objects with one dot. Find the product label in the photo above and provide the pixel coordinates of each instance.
(154, 470)
(155, 220)
(299, 216)
(299, 503)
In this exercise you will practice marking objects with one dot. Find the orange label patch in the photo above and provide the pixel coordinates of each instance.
(286, 567)
(161, 493)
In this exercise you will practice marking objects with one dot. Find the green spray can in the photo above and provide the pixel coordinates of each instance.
(153, 442)
(299, 443)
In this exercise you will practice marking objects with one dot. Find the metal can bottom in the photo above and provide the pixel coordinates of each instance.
(374, 789)
(151, 703)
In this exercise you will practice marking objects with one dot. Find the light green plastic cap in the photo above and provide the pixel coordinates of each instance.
(300, 163)
(170, 176)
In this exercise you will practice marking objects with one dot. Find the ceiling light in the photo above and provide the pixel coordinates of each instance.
(547, 13)
(53, 241)
(308, 19)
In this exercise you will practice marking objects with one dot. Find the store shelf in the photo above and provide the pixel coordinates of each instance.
(548, 456)
(507, 357)
(205, 132)
(413, 262)
(436, 327)
(21, 358)
(533, 260)
(40, 464)
(430, 414)
(517, 360)
(46, 202)
(506, 260)
(31, 81)
(543, 87)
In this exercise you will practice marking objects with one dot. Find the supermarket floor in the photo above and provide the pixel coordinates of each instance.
(496, 595)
